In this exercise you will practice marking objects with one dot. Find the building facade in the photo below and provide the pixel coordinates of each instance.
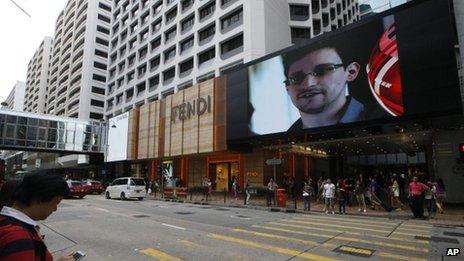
(15, 100)
(77, 73)
(160, 47)
(37, 78)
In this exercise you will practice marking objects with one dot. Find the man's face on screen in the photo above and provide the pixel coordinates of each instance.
(318, 80)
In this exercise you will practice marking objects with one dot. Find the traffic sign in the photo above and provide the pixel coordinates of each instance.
(273, 161)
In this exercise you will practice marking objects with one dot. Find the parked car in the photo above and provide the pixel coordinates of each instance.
(93, 186)
(125, 188)
(76, 189)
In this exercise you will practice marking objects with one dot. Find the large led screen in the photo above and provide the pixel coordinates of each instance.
(395, 65)
(118, 128)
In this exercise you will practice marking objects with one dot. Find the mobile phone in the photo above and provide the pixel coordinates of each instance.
(78, 255)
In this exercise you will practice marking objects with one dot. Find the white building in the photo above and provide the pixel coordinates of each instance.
(78, 62)
(159, 47)
(37, 78)
(15, 100)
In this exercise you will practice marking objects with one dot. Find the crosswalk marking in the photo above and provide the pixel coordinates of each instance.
(357, 219)
(276, 249)
(161, 256)
(325, 245)
(335, 225)
(191, 244)
(426, 242)
(416, 226)
(351, 239)
(345, 222)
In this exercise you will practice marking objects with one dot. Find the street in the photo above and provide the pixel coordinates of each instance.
(158, 230)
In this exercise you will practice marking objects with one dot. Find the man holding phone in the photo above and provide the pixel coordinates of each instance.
(36, 198)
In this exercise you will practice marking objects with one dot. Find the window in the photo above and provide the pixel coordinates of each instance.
(112, 73)
(154, 62)
(169, 54)
(103, 30)
(99, 65)
(104, 18)
(144, 35)
(186, 44)
(144, 18)
(99, 78)
(207, 32)
(207, 55)
(124, 20)
(129, 94)
(170, 34)
(102, 41)
(153, 82)
(141, 70)
(120, 81)
(232, 44)
(299, 34)
(155, 26)
(233, 19)
(157, 8)
(130, 76)
(134, 27)
(225, 2)
(123, 35)
(171, 15)
(187, 23)
(131, 60)
(96, 116)
(122, 51)
(186, 66)
(132, 43)
(155, 43)
(121, 66)
(135, 11)
(299, 12)
(207, 10)
(186, 4)
(143, 52)
(104, 7)
(96, 103)
(169, 74)
(101, 53)
(98, 90)
(109, 103)
(141, 88)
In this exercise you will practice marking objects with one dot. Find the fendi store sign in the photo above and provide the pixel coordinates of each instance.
(188, 122)
(188, 109)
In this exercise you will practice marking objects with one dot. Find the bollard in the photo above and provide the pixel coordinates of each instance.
(225, 195)
(294, 201)
(244, 198)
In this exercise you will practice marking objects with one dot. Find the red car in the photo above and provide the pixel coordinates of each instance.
(77, 189)
(93, 186)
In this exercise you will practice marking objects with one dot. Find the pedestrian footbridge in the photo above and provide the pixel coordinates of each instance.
(38, 132)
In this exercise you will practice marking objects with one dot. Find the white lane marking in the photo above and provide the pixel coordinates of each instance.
(172, 226)
(247, 218)
(104, 210)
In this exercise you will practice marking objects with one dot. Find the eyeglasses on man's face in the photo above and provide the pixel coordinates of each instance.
(319, 71)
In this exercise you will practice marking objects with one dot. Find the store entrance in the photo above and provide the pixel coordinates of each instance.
(221, 175)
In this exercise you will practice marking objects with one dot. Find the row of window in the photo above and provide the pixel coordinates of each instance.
(301, 12)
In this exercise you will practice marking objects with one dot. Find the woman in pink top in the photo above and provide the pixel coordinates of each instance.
(416, 193)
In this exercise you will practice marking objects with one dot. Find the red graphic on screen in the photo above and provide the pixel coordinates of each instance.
(383, 73)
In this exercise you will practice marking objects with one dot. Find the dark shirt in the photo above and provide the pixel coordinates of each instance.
(353, 112)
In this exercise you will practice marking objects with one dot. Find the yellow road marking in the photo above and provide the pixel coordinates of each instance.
(360, 219)
(335, 225)
(414, 229)
(356, 250)
(191, 244)
(344, 222)
(417, 226)
(411, 234)
(161, 256)
(325, 245)
(351, 239)
(280, 250)
(426, 242)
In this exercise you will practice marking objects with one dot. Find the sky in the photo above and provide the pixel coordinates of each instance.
(22, 35)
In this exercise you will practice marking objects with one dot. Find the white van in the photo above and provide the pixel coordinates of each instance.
(125, 188)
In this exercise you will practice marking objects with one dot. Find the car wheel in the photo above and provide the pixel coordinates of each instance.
(123, 196)
(140, 198)
(107, 195)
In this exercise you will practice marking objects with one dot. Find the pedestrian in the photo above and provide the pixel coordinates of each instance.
(209, 185)
(430, 199)
(395, 195)
(441, 195)
(35, 198)
(6, 192)
(329, 196)
(247, 192)
(416, 194)
(235, 188)
(359, 191)
(271, 188)
(341, 197)
(147, 186)
(374, 200)
(306, 196)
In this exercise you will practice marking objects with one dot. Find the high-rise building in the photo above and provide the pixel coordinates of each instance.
(37, 78)
(79, 58)
(160, 47)
(15, 100)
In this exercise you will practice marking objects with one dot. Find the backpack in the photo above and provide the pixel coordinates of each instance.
(39, 246)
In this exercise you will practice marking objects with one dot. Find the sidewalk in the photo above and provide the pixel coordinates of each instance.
(452, 216)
